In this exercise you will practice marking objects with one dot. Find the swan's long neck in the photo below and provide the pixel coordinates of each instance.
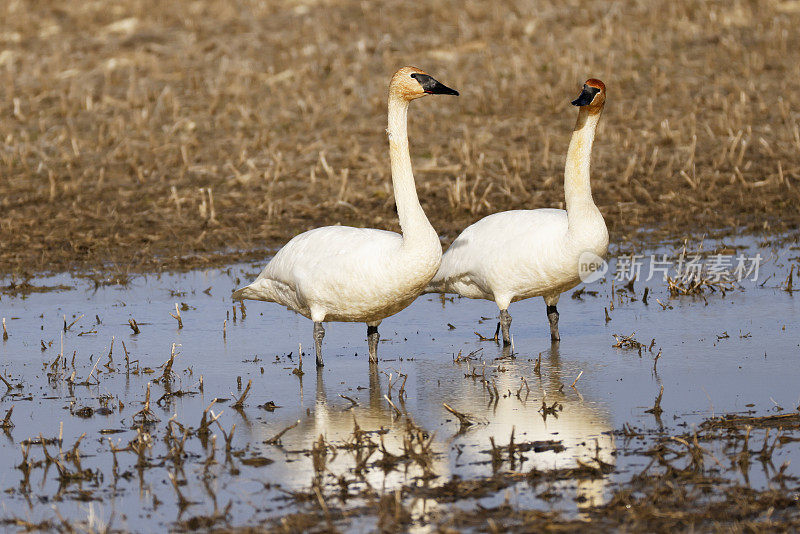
(413, 222)
(577, 187)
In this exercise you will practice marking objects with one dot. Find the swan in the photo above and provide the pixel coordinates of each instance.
(519, 254)
(341, 273)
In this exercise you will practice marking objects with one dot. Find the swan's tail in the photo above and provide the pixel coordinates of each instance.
(246, 292)
(435, 286)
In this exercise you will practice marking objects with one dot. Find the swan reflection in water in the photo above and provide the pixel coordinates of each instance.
(580, 424)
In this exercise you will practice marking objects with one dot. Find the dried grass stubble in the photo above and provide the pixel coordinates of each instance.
(184, 133)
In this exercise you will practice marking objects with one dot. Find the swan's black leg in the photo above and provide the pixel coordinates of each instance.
(552, 317)
(319, 333)
(505, 325)
(373, 337)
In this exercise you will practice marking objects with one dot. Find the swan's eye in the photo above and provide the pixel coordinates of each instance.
(587, 96)
(424, 80)
(432, 86)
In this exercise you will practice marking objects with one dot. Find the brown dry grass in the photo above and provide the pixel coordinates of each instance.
(119, 122)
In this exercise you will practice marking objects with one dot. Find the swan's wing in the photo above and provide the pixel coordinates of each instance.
(339, 250)
(336, 272)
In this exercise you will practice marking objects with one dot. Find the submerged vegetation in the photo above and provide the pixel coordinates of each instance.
(202, 425)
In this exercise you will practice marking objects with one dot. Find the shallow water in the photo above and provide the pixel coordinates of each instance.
(719, 354)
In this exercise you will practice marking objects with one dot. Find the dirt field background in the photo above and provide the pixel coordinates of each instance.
(147, 134)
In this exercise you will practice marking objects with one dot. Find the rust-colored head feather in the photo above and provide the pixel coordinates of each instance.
(593, 96)
(594, 82)
(404, 86)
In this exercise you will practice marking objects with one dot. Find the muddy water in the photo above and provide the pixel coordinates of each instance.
(734, 353)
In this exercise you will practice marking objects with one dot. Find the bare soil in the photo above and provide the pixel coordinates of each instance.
(140, 135)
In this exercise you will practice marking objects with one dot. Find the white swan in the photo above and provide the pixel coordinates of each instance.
(520, 254)
(340, 273)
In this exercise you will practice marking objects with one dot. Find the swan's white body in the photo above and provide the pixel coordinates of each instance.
(516, 255)
(341, 273)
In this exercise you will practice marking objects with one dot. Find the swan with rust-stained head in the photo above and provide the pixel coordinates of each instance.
(340, 273)
(519, 254)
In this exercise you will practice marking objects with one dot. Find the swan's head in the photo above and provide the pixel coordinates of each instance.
(410, 83)
(593, 95)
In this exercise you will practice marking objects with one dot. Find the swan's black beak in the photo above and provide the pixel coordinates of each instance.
(586, 96)
(432, 86)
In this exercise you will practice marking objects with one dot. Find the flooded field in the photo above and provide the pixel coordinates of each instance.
(124, 418)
